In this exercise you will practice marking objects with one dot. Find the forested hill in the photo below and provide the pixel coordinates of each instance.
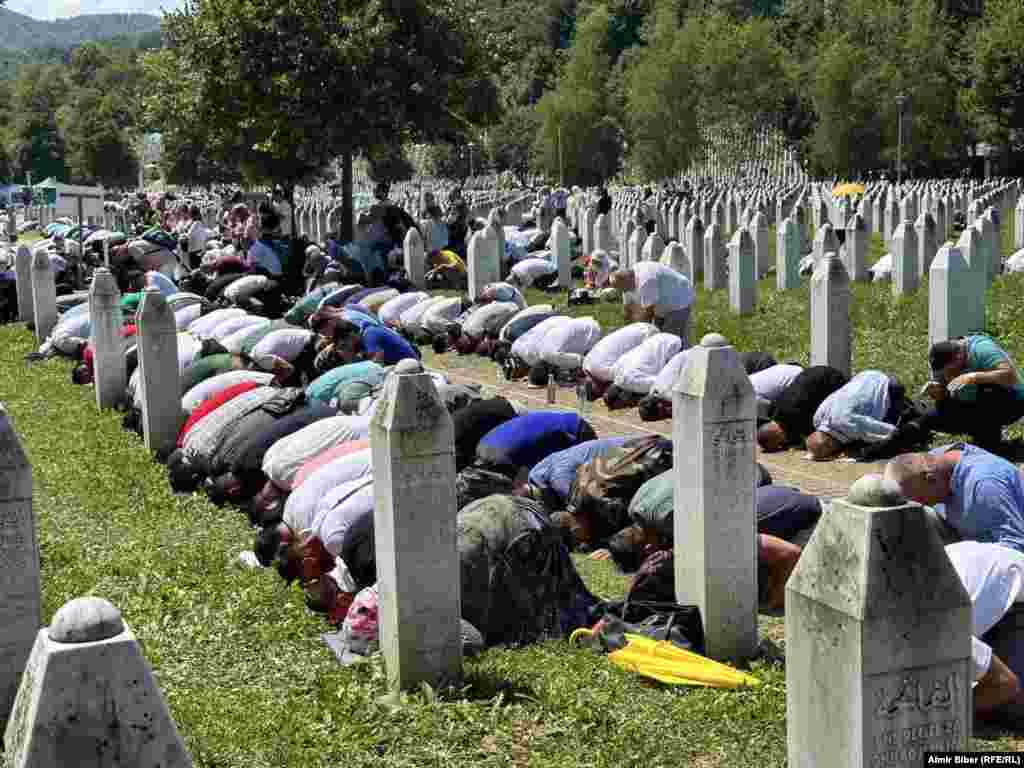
(20, 32)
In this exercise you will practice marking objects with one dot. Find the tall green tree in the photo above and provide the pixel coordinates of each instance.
(578, 139)
(287, 88)
(36, 143)
(996, 100)
(97, 150)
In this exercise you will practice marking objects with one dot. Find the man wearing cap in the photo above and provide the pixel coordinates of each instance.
(976, 388)
(655, 293)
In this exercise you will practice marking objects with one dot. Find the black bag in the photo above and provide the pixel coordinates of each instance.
(680, 625)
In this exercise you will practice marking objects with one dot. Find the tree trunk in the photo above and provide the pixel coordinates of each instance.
(347, 210)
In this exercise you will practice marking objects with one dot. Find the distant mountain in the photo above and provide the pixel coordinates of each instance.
(22, 32)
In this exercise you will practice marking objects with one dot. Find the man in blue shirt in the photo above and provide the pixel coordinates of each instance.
(525, 441)
(551, 480)
(374, 342)
(976, 388)
(980, 495)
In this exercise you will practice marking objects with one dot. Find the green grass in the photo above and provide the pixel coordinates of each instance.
(239, 658)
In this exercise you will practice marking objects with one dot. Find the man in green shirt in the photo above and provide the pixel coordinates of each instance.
(976, 388)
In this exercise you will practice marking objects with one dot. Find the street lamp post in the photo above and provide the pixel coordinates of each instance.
(901, 102)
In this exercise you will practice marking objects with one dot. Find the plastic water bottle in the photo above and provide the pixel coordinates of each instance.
(582, 401)
(551, 389)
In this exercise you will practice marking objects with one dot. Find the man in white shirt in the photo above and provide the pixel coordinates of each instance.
(563, 349)
(655, 293)
(636, 371)
(993, 576)
(769, 384)
(599, 363)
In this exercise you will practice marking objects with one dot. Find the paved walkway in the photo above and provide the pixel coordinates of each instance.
(824, 479)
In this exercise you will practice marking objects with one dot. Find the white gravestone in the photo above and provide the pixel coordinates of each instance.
(625, 235)
(1018, 225)
(603, 234)
(855, 253)
(715, 259)
(495, 223)
(44, 296)
(904, 259)
(23, 283)
(830, 315)
(675, 256)
(878, 217)
(956, 297)
(483, 266)
(970, 247)
(413, 255)
(635, 246)
(562, 253)
(759, 232)
(878, 638)
(825, 241)
(693, 243)
(742, 273)
(415, 529)
(990, 230)
(110, 375)
(713, 416)
(982, 250)
(941, 220)
(787, 256)
(924, 229)
(88, 697)
(158, 373)
(653, 247)
(19, 564)
(892, 216)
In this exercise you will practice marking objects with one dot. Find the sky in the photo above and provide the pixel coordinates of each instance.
(47, 10)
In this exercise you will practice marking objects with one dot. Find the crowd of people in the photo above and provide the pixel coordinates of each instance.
(278, 389)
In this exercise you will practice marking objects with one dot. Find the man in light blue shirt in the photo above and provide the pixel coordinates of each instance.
(551, 480)
(858, 412)
(980, 495)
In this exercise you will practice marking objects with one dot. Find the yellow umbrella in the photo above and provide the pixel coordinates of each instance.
(667, 663)
(848, 189)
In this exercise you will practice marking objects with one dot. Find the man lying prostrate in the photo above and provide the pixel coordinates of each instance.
(769, 384)
(781, 511)
(537, 272)
(526, 351)
(211, 387)
(636, 371)
(378, 344)
(863, 410)
(341, 529)
(520, 443)
(476, 420)
(485, 321)
(206, 449)
(980, 495)
(657, 404)
(439, 318)
(792, 420)
(284, 459)
(363, 377)
(562, 350)
(599, 364)
(301, 505)
(392, 310)
(550, 481)
(246, 449)
(994, 578)
(212, 403)
(655, 293)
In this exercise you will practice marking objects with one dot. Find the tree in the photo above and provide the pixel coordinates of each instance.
(578, 141)
(389, 164)
(98, 151)
(996, 100)
(511, 140)
(285, 89)
(36, 143)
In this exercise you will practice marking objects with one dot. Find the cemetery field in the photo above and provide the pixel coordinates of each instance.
(239, 658)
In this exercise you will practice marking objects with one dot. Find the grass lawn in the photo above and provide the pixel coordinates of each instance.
(239, 657)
